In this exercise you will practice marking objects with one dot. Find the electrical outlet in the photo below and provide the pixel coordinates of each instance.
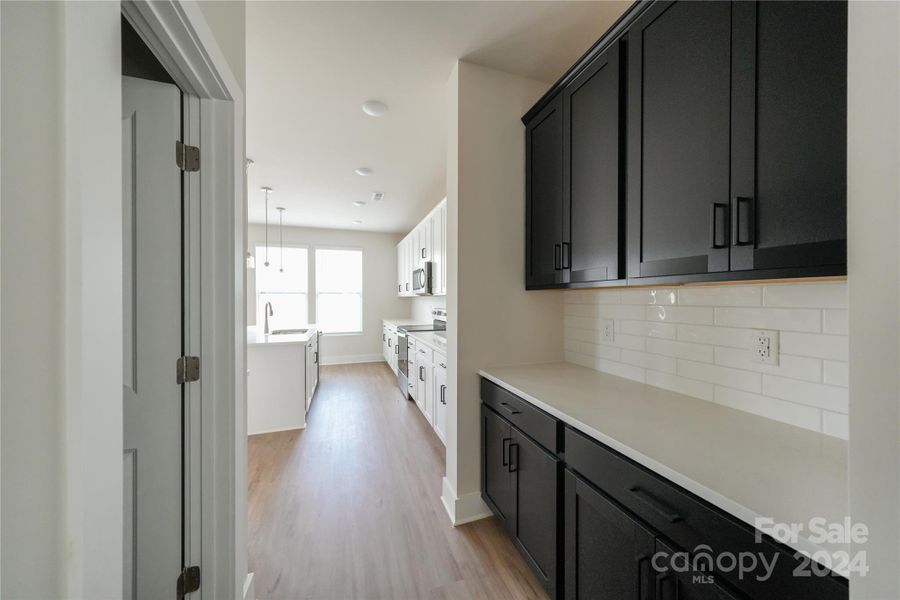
(607, 331)
(764, 344)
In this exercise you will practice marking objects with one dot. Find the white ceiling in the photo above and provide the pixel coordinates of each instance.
(310, 66)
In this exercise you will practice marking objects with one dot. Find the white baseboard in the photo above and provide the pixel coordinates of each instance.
(249, 588)
(351, 359)
(465, 509)
(276, 430)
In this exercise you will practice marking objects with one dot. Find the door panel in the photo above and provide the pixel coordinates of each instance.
(543, 196)
(496, 481)
(152, 400)
(789, 206)
(688, 585)
(591, 159)
(608, 553)
(536, 481)
(679, 79)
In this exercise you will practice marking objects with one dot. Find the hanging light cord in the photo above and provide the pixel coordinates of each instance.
(266, 190)
(281, 237)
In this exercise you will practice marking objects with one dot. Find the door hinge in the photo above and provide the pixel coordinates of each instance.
(188, 581)
(187, 157)
(187, 369)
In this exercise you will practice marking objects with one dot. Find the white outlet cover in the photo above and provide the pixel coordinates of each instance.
(764, 345)
(607, 331)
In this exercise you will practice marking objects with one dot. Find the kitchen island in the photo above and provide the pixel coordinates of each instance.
(282, 375)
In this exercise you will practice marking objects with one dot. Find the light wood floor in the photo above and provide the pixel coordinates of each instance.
(350, 507)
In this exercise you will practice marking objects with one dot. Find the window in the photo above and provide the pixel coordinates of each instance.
(284, 283)
(339, 290)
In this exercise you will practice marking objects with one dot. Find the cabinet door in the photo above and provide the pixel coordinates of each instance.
(536, 478)
(438, 256)
(608, 553)
(592, 237)
(687, 585)
(544, 196)
(496, 487)
(444, 254)
(789, 157)
(400, 255)
(440, 397)
(426, 389)
(679, 92)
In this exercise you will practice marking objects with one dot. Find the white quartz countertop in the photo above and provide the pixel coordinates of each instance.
(748, 466)
(256, 337)
(403, 321)
(430, 339)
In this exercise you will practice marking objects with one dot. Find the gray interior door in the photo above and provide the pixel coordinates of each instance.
(152, 275)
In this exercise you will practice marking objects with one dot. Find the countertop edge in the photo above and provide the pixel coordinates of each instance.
(732, 507)
(421, 338)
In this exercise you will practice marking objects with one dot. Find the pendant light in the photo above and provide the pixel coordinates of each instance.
(280, 210)
(251, 261)
(267, 190)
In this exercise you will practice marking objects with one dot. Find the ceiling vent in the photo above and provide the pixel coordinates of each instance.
(377, 196)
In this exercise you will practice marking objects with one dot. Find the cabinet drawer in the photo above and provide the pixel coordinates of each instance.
(690, 521)
(533, 421)
(424, 353)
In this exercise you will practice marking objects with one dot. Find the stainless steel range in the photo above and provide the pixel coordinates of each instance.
(438, 323)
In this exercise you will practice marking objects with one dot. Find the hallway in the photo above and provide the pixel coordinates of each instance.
(350, 507)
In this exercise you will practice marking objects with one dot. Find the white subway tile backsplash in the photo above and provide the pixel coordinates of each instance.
(680, 314)
(806, 295)
(812, 344)
(770, 408)
(836, 373)
(827, 397)
(835, 321)
(730, 295)
(698, 352)
(739, 379)
(794, 367)
(835, 424)
(682, 385)
(696, 340)
(787, 319)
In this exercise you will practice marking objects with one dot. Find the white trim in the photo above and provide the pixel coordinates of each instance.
(276, 430)
(352, 359)
(465, 509)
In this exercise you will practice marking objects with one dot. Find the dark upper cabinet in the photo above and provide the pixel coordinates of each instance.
(496, 484)
(679, 91)
(592, 240)
(536, 487)
(789, 127)
(608, 553)
(543, 197)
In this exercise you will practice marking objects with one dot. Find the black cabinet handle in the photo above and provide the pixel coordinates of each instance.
(715, 231)
(396, 349)
(383, 336)
(743, 222)
(566, 255)
(504, 450)
(389, 342)
(421, 375)
(557, 257)
(513, 464)
(511, 411)
(399, 288)
(316, 359)
(654, 504)
(407, 287)
(443, 394)
(645, 584)
(423, 252)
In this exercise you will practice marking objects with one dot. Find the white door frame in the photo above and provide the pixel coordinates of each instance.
(179, 36)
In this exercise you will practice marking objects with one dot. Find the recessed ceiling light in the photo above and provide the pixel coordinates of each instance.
(356, 222)
(374, 108)
(363, 171)
(377, 196)
(358, 203)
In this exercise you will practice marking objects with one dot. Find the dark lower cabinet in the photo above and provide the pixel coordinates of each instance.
(608, 553)
(521, 484)
(594, 525)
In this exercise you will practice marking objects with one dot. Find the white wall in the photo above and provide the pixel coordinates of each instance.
(696, 340)
(874, 268)
(380, 298)
(492, 320)
(31, 295)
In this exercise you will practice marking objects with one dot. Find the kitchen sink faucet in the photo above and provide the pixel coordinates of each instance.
(269, 313)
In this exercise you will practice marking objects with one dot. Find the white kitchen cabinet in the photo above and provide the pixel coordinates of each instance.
(439, 394)
(312, 369)
(389, 344)
(424, 391)
(426, 242)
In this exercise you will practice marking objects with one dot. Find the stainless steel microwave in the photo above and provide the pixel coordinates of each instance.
(421, 279)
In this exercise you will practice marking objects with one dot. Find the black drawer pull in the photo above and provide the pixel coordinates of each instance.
(566, 255)
(742, 209)
(505, 451)
(513, 464)
(511, 411)
(715, 233)
(651, 502)
(557, 257)
(664, 581)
